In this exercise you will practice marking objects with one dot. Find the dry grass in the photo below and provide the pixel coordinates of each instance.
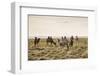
(44, 52)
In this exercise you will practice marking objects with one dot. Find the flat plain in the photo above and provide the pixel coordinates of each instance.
(51, 52)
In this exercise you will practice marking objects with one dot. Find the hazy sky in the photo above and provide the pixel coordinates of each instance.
(57, 26)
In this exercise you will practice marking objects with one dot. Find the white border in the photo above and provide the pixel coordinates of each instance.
(19, 39)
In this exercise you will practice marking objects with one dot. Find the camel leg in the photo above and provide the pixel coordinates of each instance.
(47, 43)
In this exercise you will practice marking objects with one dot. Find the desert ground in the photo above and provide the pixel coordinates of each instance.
(51, 52)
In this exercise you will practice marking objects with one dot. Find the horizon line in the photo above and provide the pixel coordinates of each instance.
(58, 36)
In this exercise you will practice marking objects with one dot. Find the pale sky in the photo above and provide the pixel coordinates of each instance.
(57, 26)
